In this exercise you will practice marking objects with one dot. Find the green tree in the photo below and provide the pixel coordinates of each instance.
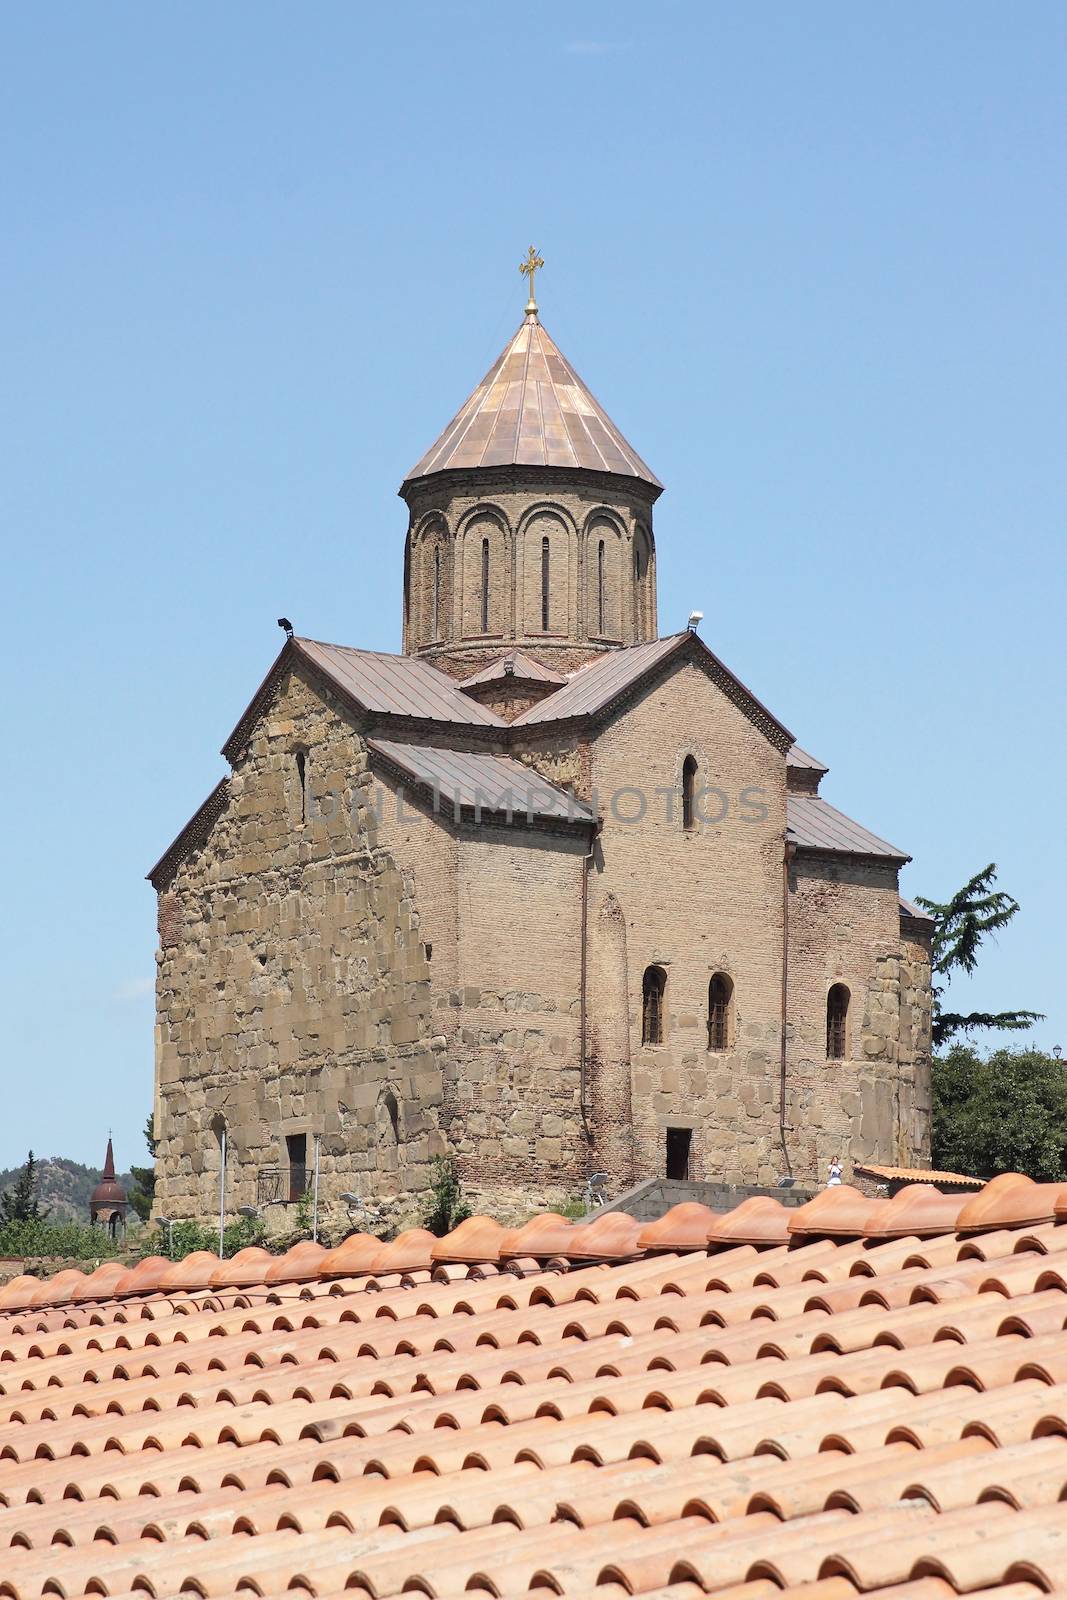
(21, 1202)
(960, 925)
(1003, 1113)
(447, 1207)
(143, 1189)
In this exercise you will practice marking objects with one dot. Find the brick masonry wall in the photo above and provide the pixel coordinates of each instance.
(595, 599)
(694, 903)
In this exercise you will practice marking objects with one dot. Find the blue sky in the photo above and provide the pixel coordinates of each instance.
(812, 260)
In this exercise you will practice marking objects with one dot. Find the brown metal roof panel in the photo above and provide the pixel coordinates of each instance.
(513, 398)
(813, 824)
(471, 778)
(396, 685)
(907, 909)
(797, 757)
(595, 685)
(522, 666)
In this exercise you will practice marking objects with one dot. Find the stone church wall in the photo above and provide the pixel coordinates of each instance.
(293, 988)
(348, 964)
(844, 927)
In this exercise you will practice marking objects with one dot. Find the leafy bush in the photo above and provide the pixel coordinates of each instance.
(1003, 1113)
(39, 1237)
(187, 1237)
(447, 1208)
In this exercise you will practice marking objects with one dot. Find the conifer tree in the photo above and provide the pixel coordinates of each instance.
(21, 1203)
(960, 925)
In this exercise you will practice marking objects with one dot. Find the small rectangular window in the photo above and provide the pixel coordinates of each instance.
(678, 1143)
(296, 1148)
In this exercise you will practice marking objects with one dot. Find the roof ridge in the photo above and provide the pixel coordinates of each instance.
(1009, 1201)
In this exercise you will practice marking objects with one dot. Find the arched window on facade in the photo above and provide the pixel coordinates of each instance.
(485, 586)
(392, 1111)
(600, 606)
(545, 578)
(837, 1022)
(653, 988)
(437, 592)
(720, 997)
(689, 789)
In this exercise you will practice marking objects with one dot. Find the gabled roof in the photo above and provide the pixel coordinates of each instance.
(852, 1398)
(193, 834)
(595, 688)
(803, 762)
(477, 782)
(531, 409)
(942, 1180)
(813, 824)
(515, 665)
(371, 680)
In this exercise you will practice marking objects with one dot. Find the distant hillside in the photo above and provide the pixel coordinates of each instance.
(65, 1186)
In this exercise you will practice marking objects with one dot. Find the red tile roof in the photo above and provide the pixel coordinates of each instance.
(855, 1397)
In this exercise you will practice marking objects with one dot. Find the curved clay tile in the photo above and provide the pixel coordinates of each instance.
(195, 1272)
(919, 1211)
(838, 1213)
(759, 1220)
(477, 1239)
(613, 1235)
(300, 1264)
(16, 1294)
(101, 1284)
(59, 1290)
(351, 1258)
(544, 1235)
(145, 1277)
(1010, 1201)
(245, 1268)
(683, 1227)
(408, 1252)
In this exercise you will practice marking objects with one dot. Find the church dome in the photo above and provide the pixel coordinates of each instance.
(532, 410)
(109, 1191)
(530, 522)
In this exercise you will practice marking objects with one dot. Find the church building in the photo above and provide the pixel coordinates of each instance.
(547, 889)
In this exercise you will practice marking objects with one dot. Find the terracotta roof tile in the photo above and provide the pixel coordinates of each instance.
(843, 1407)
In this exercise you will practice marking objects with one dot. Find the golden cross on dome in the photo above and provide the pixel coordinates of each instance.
(528, 268)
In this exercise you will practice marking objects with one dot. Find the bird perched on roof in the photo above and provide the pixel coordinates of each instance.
(283, 622)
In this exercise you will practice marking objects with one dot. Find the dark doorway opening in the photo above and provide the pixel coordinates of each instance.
(678, 1142)
(296, 1146)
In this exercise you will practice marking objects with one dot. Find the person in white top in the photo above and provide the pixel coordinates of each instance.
(835, 1173)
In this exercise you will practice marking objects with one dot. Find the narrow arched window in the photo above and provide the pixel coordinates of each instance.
(720, 995)
(837, 1022)
(653, 988)
(302, 776)
(544, 583)
(437, 592)
(393, 1111)
(485, 585)
(600, 589)
(689, 789)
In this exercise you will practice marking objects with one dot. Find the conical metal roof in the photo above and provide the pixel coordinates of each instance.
(531, 409)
